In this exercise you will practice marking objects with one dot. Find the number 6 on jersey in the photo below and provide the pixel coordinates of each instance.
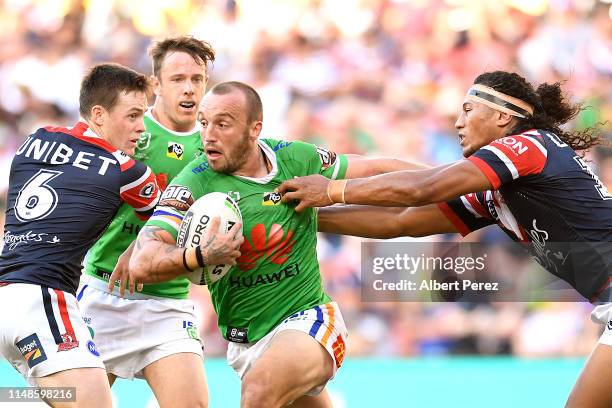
(36, 199)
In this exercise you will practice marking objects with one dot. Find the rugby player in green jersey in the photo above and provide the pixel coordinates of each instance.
(153, 334)
(287, 337)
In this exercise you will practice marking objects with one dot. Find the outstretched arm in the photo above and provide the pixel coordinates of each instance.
(397, 189)
(361, 166)
(384, 222)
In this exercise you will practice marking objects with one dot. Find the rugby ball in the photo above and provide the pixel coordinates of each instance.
(195, 223)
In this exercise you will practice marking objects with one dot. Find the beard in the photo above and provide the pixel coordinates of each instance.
(234, 159)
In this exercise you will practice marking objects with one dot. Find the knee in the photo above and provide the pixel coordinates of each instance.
(255, 393)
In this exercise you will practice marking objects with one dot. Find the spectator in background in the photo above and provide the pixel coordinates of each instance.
(389, 60)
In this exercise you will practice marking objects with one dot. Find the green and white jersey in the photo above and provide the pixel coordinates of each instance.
(277, 273)
(166, 153)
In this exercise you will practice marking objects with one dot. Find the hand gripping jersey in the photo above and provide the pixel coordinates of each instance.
(166, 153)
(277, 273)
(546, 195)
(65, 187)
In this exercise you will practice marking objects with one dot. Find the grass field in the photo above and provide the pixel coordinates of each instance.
(474, 382)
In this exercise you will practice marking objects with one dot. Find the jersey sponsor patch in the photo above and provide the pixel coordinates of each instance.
(31, 349)
(237, 334)
(175, 150)
(178, 197)
(272, 244)
(272, 198)
(328, 158)
(91, 346)
(148, 190)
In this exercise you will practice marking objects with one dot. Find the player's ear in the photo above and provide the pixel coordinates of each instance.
(97, 115)
(503, 119)
(156, 84)
(255, 129)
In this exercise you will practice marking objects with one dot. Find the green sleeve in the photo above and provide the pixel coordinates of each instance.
(321, 160)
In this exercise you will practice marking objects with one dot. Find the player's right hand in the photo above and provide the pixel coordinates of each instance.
(121, 274)
(221, 248)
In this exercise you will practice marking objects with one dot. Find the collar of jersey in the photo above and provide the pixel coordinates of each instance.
(196, 128)
(272, 157)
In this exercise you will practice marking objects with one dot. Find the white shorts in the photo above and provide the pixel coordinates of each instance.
(602, 314)
(137, 330)
(42, 331)
(324, 323)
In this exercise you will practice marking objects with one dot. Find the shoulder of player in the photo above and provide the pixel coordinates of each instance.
(280, 146)
(156, 129)
(530, 142)
(81, 133)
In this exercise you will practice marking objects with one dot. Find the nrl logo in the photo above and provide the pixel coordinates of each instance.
(144, 141)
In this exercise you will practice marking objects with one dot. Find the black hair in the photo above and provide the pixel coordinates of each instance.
(551, 108)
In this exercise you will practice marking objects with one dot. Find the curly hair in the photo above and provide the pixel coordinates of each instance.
(551, 109)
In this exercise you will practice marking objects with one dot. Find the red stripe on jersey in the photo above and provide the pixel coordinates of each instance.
(77, 131)
(134, 198)
(454, 218)
(524, 235)
(61, 302)
(128, 165)
(59, 129)
(523, 153)
(477, 206)
(487, 170)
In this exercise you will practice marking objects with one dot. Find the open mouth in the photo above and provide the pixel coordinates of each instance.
(213, 153)
(187, 105)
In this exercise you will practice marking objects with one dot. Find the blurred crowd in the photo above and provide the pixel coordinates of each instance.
(376, 77)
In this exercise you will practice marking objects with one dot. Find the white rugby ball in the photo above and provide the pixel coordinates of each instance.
(195, 223)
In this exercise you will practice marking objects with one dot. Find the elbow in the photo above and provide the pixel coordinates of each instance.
(420, 195)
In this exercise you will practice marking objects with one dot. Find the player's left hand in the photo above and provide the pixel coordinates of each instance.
(309, 191)
(121, 273)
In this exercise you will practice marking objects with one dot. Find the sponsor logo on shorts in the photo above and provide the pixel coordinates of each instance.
(339, 348)
(32, 350)
(192, 330)
(609, 325)
(272, 198)
(68, 343)
(297, 316)
(91, 346)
